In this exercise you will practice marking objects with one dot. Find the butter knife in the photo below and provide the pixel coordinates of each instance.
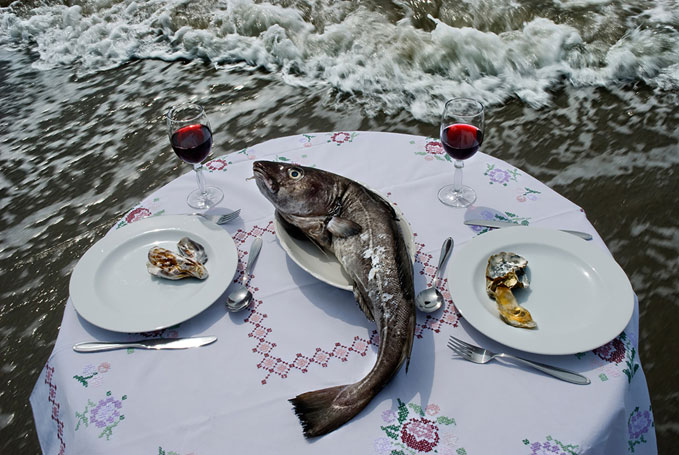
(151, 343)
(503, 224)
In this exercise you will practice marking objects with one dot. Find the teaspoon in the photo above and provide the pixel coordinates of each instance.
(241, 297)
(430, 299)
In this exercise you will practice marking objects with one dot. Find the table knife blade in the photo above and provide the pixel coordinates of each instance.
(504, 224)
(151, 343)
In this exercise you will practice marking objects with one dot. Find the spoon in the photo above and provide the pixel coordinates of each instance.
(241, 297)
(430, 299)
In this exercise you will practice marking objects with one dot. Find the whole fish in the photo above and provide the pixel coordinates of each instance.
(361, 230)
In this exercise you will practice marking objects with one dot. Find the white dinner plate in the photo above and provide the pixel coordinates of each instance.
(579, 296)
(111, 288)
(323, 265)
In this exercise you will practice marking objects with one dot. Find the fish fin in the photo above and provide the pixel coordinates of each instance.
(320, 411)
(405, 274)
(290, 228)
(363, 302)
(408, 349)
(297, 233)
(343, 227)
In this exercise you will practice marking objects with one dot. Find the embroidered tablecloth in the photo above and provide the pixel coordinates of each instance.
(301, 334)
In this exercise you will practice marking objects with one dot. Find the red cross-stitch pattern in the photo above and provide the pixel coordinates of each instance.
(449, 315)
(261, 333)
(55, 408)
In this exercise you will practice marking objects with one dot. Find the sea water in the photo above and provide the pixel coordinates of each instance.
(582, 94)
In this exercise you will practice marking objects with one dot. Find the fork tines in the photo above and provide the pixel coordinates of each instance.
(228, 217)
(459, 346)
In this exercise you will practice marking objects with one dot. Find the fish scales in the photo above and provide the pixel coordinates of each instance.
(362, 231)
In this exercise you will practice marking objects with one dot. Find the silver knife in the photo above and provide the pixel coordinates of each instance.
(152, 343)
(503, 224)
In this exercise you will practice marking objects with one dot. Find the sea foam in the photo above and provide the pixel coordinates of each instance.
(388, 60)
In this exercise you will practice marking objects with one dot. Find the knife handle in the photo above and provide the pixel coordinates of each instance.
(582, 235)
(559, 373)
(96, 346)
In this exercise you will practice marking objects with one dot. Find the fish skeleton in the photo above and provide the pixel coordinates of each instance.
(362, 231)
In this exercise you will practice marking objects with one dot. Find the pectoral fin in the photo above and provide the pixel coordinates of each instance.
(342, 227)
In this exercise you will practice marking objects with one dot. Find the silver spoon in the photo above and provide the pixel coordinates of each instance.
(241, 297)
(430, 299)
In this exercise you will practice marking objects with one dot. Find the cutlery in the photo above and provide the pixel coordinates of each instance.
(220, 219)
(430, 299)
(503, 224)
(241, 297)
(480, 355)
(152, 343)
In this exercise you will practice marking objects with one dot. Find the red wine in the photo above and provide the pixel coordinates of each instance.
(461, 141)
(192, 143)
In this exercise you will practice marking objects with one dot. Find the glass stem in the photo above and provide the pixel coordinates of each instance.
(457, 179)
(201, 179)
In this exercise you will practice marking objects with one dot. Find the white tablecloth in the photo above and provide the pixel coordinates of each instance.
(301, 334)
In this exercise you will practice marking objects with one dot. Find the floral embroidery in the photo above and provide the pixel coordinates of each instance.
(247, 154)
(301, 161)
(527, 195)
(433, 149)
(103, 414)
(615, 352)
(55, 415)
(342, 137)
(551, 447)
(638, 424)
(500, 176)
(91, 375)
(216, 165)
(306, 140)
(412, 430)
(139, 213)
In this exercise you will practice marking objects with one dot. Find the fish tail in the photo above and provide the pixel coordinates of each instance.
(322, 411)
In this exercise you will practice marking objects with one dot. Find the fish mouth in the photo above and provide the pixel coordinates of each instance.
(262, 177)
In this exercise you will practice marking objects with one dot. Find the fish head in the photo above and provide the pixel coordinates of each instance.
(298, 190)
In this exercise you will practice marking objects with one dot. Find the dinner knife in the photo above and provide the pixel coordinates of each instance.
(151, 343)
(503, 224)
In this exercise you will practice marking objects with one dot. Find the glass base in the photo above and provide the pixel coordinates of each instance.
(210, 198)
(463, 198)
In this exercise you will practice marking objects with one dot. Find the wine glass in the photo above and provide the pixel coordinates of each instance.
(462, 126)
(191, 139)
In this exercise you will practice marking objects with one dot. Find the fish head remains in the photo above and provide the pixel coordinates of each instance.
(298, 190)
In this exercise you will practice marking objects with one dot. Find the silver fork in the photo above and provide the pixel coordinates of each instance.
(220, 219)
(480, 355)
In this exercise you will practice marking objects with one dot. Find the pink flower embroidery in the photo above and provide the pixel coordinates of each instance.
(420, 434)
(216, 165)
(432, 410)
(434, 148)
(341, 137)
(137, 214)
(613, 351)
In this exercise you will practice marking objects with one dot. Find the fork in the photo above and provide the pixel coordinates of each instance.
(220, 219)
(480, 355)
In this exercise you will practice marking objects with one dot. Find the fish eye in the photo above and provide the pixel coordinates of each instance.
(295, 173)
